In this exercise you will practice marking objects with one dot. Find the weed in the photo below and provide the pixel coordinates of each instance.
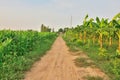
(93, 78)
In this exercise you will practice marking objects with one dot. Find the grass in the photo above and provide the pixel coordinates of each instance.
(83, 62)
(93, 78)
(106, 61)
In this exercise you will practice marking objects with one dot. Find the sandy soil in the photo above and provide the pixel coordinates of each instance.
(58, 64)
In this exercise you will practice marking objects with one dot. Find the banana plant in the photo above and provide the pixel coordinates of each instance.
(87, 25)
(92, 31)
(101, 30)
(116, 23)
(118, 34)
(111, 29)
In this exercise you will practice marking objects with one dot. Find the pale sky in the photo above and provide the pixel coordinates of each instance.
(30, 14)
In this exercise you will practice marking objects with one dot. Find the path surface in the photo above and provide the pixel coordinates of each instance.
(58, 64)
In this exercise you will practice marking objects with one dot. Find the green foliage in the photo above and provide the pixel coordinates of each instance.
(83, 62)
(19, 49)
(45, 28)
(102, 52)
(117, 53)
(114, 68)
(93, 78)
(101, 40)
(60, 30)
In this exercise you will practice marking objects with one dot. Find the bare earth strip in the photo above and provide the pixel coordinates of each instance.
(58, 64)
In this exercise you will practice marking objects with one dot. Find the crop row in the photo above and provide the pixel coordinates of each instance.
(16, 51)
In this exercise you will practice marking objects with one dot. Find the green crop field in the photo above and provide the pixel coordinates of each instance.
(100, 39)
(19, 49)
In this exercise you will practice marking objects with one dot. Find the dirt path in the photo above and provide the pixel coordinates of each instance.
(58, 64)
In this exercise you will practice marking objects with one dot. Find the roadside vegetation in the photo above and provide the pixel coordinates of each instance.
(100, 40)
(20, 49)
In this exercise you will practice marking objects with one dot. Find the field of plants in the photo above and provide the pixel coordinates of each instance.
(19, 49)
(100, 39)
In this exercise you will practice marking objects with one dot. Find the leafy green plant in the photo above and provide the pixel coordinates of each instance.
(100, 38)
(19, 49)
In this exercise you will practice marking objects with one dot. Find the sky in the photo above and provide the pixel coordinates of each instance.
(30, 14)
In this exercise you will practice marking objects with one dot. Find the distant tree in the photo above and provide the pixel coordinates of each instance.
(48, 29)
(42, 28)
(45, 28)
(53, 30)
(66, 29)
(60, 30)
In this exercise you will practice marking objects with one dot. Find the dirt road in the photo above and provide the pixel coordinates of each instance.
(58, 64)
